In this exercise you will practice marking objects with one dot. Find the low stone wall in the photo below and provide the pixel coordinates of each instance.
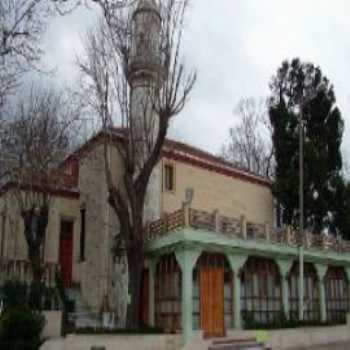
(53, 324)
(288, 339)
(113, 342)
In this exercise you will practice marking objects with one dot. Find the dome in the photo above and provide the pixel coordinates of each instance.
(147, 5)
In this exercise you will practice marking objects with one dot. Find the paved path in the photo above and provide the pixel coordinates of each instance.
(342, 346)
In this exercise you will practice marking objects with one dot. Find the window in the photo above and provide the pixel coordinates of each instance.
(337, 301)
(311, 292)
(169, 177)
(82, 233)
(261, 297)
(168, 294)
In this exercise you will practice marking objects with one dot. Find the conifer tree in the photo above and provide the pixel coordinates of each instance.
(323, 127)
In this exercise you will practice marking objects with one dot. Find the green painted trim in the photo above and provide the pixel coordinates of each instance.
(284, 266)
(323, 307)
(186, 260)
(190, 238)
(237, 300)
(321, 270)
(347, 273)
(236, 261)
(321, 273)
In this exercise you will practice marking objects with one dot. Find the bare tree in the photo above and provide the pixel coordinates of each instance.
(33, 145)
(134, 70)
(22, 25)
(249, 145)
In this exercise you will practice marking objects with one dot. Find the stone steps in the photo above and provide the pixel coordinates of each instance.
(82, 317)
(236, 344)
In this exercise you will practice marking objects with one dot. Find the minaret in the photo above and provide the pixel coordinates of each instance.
(145, 72)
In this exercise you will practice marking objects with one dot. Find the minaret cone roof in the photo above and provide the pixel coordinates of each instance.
(147, 5)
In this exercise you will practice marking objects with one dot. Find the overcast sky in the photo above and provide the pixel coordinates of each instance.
(236, 46)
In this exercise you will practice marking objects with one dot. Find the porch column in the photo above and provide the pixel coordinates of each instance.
(152, 265)
(187, 259)
(284, 267)
(321, 273)
(236, 263)
(347, 272)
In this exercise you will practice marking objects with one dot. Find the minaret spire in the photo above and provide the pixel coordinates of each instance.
(145, 80)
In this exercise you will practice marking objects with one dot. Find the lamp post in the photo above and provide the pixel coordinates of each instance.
(303, 102)
(301, 214)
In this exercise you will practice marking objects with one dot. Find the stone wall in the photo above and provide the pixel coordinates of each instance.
(53, 325)
(120, 342)
(232, 197)
(301, 337)
(100, 275)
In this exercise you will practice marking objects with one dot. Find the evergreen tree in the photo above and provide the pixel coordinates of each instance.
(291, 89)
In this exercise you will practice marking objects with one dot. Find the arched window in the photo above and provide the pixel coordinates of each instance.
(311, 292)
(337, 294)
(261, 298)
(168, 294)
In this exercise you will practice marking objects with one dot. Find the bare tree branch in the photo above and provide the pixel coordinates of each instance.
(32, 147)
(249, 145)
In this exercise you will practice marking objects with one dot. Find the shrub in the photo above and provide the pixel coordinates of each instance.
(20, 328)
(36, 295)
(15, 294)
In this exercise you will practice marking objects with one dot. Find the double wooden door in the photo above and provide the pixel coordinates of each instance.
(212, 301)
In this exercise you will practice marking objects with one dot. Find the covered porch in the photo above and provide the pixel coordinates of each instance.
(202, 279)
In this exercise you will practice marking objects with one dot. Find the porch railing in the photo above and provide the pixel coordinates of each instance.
(21, 270)
(242, 228)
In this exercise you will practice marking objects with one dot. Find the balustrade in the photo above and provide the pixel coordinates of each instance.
(232, 227)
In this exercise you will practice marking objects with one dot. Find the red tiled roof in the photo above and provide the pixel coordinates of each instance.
(186, 153)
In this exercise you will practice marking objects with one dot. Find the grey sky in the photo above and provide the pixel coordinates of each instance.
(236, 46)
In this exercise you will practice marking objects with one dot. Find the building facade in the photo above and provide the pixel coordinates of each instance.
(215, 259)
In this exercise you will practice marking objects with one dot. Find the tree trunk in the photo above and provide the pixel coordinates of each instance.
(35, 224)
(35, 260)
(135, 258)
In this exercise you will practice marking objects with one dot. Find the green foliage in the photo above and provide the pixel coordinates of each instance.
(297, 86)
(37, 296)
(341, 206)
(15, 294)
(21, 324)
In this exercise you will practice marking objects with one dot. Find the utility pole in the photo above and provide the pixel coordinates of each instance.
(301, 213)
(303, 102)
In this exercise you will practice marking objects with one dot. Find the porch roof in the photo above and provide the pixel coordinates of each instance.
(204, 240)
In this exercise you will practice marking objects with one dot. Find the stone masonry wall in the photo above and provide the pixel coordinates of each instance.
(232, 197)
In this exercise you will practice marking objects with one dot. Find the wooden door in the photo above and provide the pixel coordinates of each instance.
(212, 301)
(66, 253)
